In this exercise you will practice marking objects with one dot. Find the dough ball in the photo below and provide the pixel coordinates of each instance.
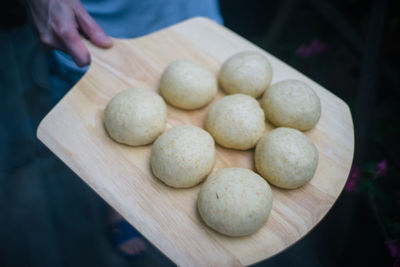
(293, 104)
(187, 85)
(135, 117)
(236, 121)
(247, 73)
(183, 156)
(286, 158)
(235, 201)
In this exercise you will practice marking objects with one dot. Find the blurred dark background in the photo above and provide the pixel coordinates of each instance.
(49, 217)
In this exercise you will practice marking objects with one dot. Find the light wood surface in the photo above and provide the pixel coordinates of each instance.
(167, 217)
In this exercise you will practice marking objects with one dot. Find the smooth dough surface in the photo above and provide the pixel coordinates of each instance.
(293, 104)
(235, 201)
(135, 117)
(286, 158)
(187, 85)
(183, 156)
(247, 73)
(236, 121)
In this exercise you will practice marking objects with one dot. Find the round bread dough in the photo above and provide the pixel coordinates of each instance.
(187, 85)
(286, 158)
(235, 201)
(247, 73)
(135, 117)
(236, 121)
(293, 104)
(183, 156)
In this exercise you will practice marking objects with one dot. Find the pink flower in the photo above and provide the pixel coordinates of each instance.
(316, 47)
(394, 248)
(350, 186)
(381, 168)
(355, 172)
(352, 181)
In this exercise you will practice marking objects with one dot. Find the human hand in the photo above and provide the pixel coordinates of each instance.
(59, 24)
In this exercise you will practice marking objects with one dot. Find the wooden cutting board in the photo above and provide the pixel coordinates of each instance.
(167, 217)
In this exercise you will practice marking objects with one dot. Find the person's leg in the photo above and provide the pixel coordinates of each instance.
(64, 74)
(27, 233)
(124, 236)
(116, 18)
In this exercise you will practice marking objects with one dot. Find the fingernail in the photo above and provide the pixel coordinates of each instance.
(82, 62)
(108, 41)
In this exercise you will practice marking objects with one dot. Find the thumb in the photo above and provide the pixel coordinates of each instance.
(91, 29)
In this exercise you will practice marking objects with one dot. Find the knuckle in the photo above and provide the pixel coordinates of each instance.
(46, 39)
(91, 26)
(66, 33)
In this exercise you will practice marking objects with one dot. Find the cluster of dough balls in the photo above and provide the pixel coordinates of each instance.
(232, 201)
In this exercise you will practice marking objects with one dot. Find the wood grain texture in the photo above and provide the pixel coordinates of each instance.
(167, 217)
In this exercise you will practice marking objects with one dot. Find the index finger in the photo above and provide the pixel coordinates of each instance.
(74, 46)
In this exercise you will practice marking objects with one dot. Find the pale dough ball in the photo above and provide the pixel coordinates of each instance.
(286, 158)
(135, 117)
(293, 104)
(236, 121)
(183, 156)
(247, 73)
(235, 201)
(187, 85)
